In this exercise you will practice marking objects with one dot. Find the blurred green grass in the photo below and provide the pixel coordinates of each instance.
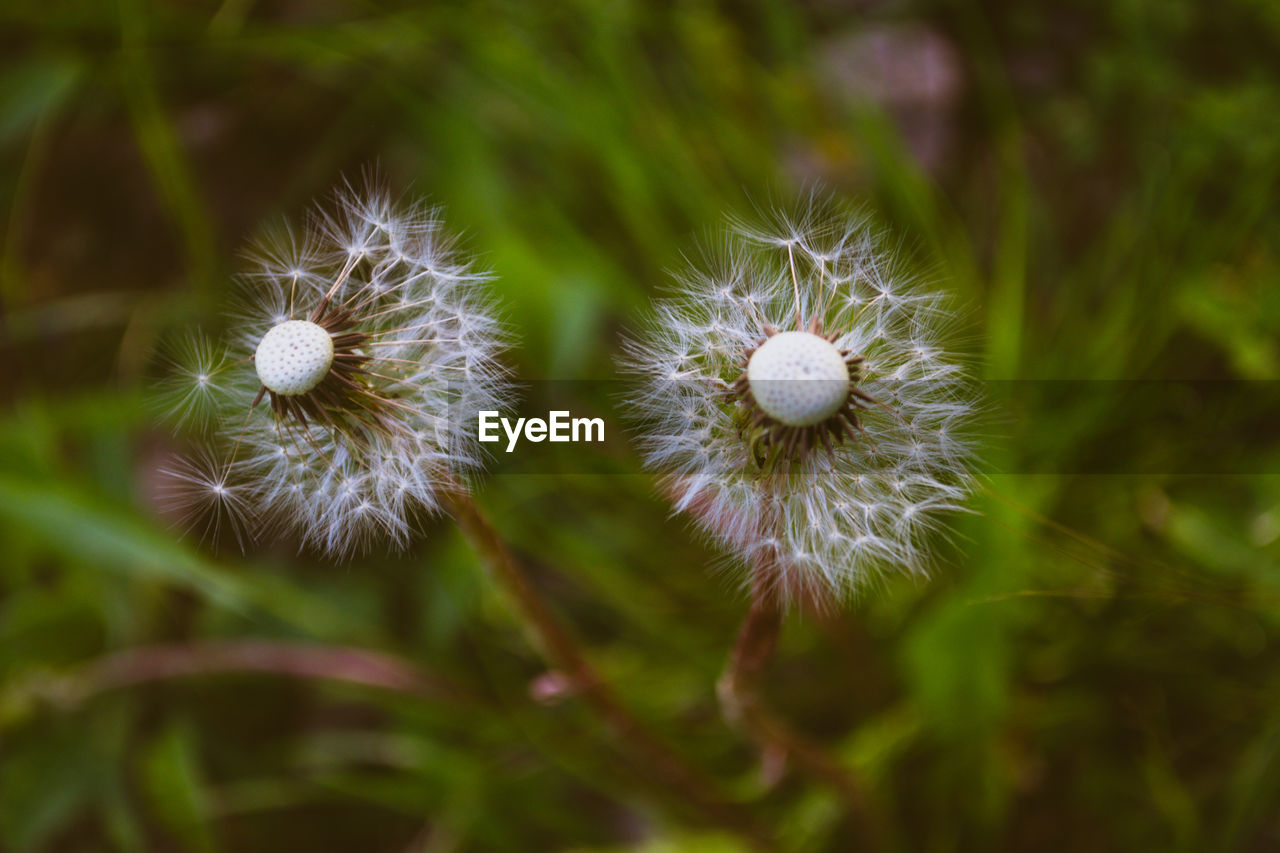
(1094, 668)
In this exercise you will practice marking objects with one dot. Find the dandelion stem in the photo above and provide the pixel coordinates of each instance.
(663, 765)
(744, 708)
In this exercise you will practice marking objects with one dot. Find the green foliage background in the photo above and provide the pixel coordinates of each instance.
(1093, 669)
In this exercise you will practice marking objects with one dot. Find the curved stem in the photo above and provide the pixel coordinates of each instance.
(306, 661)
(744, 708)
(663, 765)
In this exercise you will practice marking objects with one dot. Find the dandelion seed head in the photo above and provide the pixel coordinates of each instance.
(799, 400)
(360, 349)
(293, 357)
(798, 377)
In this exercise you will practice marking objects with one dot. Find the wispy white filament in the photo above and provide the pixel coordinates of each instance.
(830, 524)
(433, 342)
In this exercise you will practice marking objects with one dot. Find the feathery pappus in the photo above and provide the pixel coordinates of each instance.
(360, 349)
(797, 398)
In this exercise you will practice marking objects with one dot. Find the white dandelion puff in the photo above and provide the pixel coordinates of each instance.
(798, 399)
(361, 349)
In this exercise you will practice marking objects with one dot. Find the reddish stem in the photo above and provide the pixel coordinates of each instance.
(664, 766)
(744, 708)
(145, 664)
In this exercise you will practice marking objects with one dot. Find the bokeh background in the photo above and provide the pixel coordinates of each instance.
(1094, 667)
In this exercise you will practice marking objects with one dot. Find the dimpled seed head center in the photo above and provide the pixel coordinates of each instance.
(798, 378)
(293, 357)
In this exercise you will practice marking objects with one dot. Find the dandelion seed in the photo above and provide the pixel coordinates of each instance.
(196, 384)
(203, 494)
(799, 401)
(361, 349)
